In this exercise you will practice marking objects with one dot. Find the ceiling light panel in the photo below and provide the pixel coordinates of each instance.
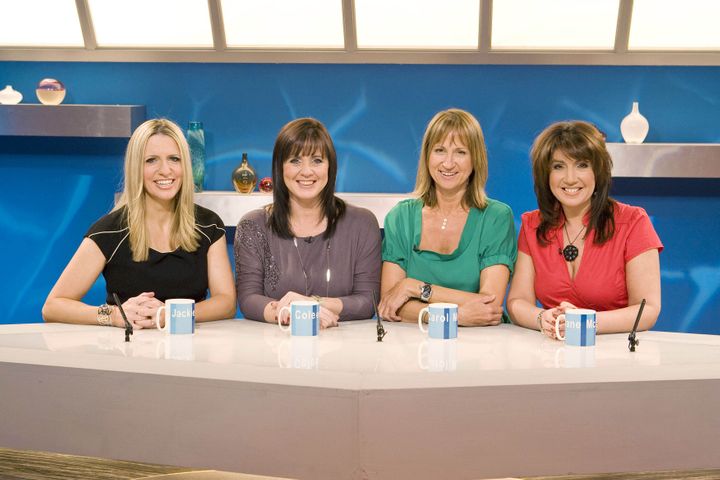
(155, 23)
(283, 23)
(417, 24)
(673, 25)
(554, 24)
(40, 23)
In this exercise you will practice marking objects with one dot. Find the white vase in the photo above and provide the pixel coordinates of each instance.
(634, 127)
(8, 96)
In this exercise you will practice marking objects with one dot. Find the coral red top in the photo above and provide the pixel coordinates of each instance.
(599, 283)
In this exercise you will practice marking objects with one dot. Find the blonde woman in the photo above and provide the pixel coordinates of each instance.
(154, 245)
(452, 243)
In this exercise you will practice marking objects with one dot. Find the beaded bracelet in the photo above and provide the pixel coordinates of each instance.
(539, 320)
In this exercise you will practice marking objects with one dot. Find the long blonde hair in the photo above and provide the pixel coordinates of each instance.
(133, 197)
(467, 129)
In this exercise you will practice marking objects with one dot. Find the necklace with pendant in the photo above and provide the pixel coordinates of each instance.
(444, 224)
(570, 252)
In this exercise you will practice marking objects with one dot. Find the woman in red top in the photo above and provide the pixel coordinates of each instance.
(581, 248)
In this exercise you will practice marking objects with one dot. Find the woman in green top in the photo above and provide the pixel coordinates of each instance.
(452, 243)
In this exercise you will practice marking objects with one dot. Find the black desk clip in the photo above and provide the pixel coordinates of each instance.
(381, 332)
(128, 325)
(631, 338)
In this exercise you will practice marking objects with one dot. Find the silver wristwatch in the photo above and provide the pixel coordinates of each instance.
(103, 315)
(425, 292)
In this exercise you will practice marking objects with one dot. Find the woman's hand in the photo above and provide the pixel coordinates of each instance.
(395, 298)
(285, 301)
(548, 320)
(140, 311)
(549, 326)
(328, 318)
(480, 312)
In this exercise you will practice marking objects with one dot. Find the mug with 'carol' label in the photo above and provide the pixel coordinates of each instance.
(442, 320)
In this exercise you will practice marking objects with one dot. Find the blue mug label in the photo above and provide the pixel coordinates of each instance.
(182, 318)
(304, 319)
(580, 329)
(442, 322)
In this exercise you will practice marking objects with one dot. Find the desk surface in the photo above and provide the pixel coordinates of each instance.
(349, 357)
(498, 400)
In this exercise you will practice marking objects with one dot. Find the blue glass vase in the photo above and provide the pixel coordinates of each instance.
(196, 142)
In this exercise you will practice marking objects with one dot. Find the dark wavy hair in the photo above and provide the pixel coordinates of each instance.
(580, 141)
(303, 136)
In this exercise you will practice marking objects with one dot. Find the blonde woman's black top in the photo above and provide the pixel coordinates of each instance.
(177, 274)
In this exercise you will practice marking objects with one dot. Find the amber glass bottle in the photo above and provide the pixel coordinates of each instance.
(244, 177)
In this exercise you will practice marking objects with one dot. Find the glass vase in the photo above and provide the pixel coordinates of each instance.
(634, 127)
(196, 142)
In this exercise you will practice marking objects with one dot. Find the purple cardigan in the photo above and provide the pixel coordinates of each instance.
(267, 267)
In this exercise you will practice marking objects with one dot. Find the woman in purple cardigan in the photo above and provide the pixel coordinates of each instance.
(308, 244)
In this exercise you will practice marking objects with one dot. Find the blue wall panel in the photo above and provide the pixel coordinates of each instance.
(54, 189)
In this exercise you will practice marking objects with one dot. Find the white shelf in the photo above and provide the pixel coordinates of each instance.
(231, 206)
(665, 160)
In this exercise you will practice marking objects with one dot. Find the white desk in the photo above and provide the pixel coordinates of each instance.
(241, 395)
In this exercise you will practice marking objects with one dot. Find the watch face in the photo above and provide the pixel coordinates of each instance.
(425, 292)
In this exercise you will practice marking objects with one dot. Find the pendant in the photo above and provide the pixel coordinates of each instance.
(570, 253)
(444, 224)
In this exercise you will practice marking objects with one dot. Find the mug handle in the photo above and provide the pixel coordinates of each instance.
(420, 317)
(557, 324)
(157, 319)
(280, 319)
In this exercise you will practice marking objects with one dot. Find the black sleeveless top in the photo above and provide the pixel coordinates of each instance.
(177, 274)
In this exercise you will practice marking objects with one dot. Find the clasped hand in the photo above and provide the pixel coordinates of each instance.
(480, 311)
(328, 318)
(550, 317)
(140, 311)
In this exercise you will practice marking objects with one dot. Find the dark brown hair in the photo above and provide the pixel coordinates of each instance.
(578, 140)
(303, 136)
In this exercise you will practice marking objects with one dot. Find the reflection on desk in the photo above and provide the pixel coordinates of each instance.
(350, 357)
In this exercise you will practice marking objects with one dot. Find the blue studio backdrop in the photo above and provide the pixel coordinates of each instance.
(54, 189)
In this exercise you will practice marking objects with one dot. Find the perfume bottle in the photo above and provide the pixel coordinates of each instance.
(244, 177)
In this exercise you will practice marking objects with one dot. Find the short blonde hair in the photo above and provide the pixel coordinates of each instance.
(465, 128)
(183, 233)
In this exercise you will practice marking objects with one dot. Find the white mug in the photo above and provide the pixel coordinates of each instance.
(179, 316)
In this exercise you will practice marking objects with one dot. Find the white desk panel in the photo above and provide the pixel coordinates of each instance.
(496, 401)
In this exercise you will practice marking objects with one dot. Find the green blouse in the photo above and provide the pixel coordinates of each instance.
(488, 238)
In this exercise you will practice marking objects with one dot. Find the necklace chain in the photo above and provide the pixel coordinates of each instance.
(446, 217)
(304, 272)
(576, 236)
(571, 252)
